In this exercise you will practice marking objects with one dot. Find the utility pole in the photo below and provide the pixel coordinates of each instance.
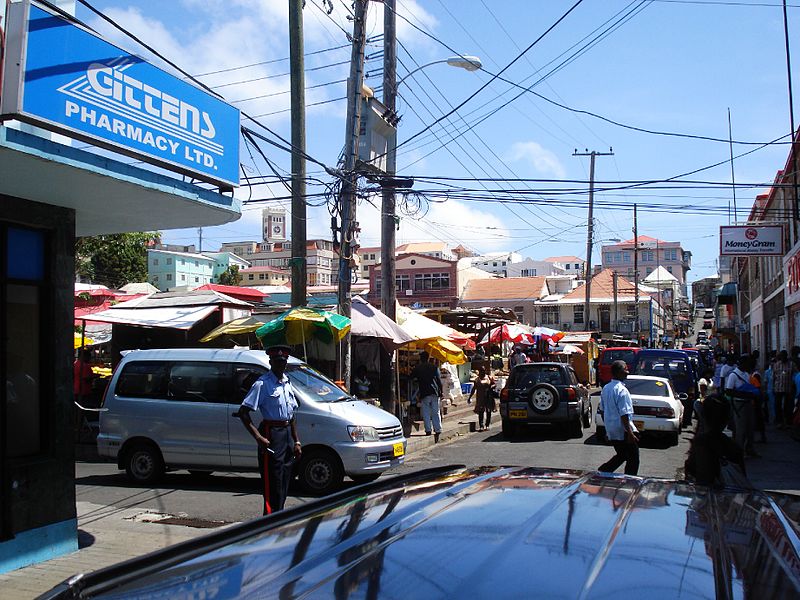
(347, 208)
(200, 239)
(388, 208)
(298, 108)
(590, 230)
(796, 211)
(616, 304)
(636, 273)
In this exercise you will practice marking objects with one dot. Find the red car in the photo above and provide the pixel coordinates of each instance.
(609, 355)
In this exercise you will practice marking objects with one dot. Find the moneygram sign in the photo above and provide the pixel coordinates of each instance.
(61, 77)
(744, 240)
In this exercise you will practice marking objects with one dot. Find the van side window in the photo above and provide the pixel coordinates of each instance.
(197, 382)
(143, 380)
(243, 378)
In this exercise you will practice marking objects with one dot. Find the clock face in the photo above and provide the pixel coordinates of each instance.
(277, 229)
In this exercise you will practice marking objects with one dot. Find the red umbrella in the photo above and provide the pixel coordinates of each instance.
(513, 332)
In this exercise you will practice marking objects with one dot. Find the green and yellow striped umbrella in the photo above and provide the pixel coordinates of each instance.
(302, 324)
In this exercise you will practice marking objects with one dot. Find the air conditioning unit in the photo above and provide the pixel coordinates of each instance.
(409, 292)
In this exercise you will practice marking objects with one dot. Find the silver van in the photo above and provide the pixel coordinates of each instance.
(176, 409)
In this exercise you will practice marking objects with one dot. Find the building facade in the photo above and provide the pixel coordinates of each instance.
(421, 281)
(653, 253)
(322, 262)
(518, 294)
(51, 193)
(571, 265)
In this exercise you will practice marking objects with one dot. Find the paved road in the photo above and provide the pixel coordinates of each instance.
(229, 497)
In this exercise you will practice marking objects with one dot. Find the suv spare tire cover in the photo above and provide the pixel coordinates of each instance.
(543, 398)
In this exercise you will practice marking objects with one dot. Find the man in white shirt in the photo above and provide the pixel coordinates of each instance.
(617, 416)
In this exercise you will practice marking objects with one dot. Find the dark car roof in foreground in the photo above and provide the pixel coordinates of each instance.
(488, 532)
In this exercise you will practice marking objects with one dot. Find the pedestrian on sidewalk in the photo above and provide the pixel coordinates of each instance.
(706, 386)
(273, 396)
(712, 451)
(743, 396)
(769, 380)
(782, 384)
(429, 393)
(483, 388)
(618, 418)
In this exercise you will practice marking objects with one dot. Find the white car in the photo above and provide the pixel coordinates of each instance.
(656, 408)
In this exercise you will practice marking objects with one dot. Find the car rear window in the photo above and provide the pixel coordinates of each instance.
(646, 387)
(529, 375)
(675, 370)
(609, 356)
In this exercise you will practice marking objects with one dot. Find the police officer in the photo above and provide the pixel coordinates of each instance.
(278, 444)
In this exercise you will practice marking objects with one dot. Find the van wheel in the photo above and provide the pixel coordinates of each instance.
(320, 472)
(143, 463)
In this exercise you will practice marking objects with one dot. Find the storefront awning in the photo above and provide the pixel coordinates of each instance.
(727, 294)
(178, 317)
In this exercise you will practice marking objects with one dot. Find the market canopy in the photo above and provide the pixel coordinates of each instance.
(433, 337)
(368, 321)
(173, 317)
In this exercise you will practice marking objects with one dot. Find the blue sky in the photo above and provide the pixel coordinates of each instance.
(669, 65)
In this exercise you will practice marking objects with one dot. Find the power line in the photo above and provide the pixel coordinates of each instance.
(503, 70)
(269, 62)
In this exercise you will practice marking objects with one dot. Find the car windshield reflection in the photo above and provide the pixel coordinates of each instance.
(311, 385)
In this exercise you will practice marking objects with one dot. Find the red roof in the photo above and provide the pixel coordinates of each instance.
(235, 291)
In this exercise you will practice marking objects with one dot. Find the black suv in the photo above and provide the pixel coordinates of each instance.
(546, 392)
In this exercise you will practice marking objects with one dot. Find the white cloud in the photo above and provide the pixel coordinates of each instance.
(543, 161)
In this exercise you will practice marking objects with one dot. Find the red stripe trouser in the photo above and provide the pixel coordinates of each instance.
(275, 467)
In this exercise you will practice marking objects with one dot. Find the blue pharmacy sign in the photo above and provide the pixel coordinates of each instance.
(64, 78)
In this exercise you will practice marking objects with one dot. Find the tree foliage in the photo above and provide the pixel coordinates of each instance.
(115, 259)
(230, 276)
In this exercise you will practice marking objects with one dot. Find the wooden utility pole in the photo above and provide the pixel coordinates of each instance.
(636, 272)
(388, 208)
(298, 106)
(347, 208)
(616, 302)
(590, 232)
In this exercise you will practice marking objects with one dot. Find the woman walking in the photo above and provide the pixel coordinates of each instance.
(482, 387)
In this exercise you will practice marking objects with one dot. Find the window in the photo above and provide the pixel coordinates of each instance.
(372, 256)
(196, 264)
(504, 263)
(550, 315)
(577, 267)
(626, 257)
(197, 382)
(155, 262)
(431, 281)
(250, 276)
(402, 283)
(169, 261)
(630, 311)
(169, 276)
(577, 314)
(143, 380)
(183, 277)
(519, 312)
(649, 270)
(568, 266)
(196, 279)
(494, 264)
(155, 278)
(669, 269)
(648, 256)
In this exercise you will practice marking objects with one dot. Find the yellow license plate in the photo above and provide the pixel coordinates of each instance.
(639, 425)
(518, 413)
(398, 449)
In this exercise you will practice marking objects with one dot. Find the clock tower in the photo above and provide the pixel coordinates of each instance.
(273, 222)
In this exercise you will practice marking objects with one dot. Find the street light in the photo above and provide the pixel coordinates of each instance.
(388, 210)
(468, 63)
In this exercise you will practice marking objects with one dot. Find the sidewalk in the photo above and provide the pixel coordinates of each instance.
(107, 535)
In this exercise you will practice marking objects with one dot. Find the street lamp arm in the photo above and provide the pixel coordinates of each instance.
(469, 63)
